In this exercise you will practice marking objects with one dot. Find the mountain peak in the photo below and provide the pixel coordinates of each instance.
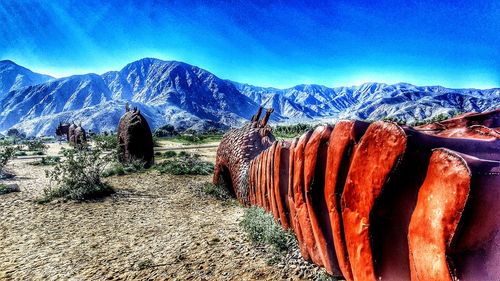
(8, 62)
(151, 61)
(14, 76)
(10, 65)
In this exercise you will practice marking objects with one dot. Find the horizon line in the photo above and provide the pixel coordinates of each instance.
(82, 72)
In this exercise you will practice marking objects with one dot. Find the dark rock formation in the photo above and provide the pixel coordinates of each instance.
(135, 139)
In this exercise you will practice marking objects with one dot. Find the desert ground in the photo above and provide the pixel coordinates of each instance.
(155, 227)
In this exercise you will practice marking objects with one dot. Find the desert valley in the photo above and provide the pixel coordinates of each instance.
(250, 140)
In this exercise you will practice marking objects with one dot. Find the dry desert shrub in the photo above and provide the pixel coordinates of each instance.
(78, 176)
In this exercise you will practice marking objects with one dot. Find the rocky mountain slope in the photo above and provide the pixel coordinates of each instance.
(13, 77)
(190, 97)
(166, 92)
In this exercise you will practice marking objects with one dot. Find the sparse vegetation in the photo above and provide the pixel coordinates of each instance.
(46, 161)
(156, 141)
(36, 145)
(195, 138)
(78, 177)
(33, 147)
(118, 169)
(20, 153)
(185, 164)
(145, 264)
(262, 229)
(438, 118)
(395, 120)
(291, 131)
(6, 142)
(133, 166)
(217, 191)
(4, 189)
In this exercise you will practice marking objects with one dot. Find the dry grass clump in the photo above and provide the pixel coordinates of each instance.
(185, 164)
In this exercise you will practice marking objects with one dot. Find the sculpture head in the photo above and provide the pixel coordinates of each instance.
(237, 148)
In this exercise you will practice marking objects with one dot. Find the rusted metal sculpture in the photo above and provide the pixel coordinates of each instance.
(135, 139)
(378, 201)
(75, 134)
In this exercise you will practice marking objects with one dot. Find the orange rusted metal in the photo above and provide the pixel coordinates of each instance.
(441, 201)
(305, 238)
(379, 201)
(342, 142)
(314, 177)
(379, 150)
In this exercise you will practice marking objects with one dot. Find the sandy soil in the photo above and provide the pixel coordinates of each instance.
(155, 227)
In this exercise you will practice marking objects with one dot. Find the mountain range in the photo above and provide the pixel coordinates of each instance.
(188, 97)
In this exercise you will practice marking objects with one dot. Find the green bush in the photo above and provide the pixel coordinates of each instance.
(114, 169)
(169, 154)
(156, 141)
(16, 134)
(262, 229)
(134, 165)
(46, 161)
(119, 169)
(6, 142)
(439, 118)
(48, 139)
(78, 177)
(165, 131)
(185, 165)
(20, 153)
(6, 154)
(36, 145)
(106, 142)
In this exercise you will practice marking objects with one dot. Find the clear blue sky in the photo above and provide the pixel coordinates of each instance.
(266, 43)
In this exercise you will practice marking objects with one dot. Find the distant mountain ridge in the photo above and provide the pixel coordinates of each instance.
(374, 101)
(186, 96)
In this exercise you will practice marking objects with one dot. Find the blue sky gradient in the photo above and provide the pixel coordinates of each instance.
(265, 43)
